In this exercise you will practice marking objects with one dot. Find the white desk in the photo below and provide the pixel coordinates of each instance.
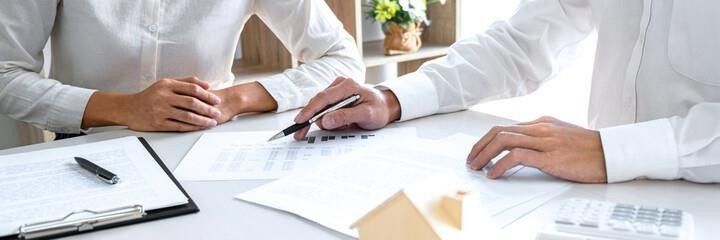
(222, 217)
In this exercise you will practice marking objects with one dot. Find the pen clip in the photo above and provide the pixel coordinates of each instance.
(337, 106)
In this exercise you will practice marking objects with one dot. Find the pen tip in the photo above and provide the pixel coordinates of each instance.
(276, 136)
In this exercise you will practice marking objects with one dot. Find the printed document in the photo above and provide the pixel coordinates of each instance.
(248, 155)
(338, 193)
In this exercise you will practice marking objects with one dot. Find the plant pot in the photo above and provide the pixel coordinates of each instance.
(399, 40)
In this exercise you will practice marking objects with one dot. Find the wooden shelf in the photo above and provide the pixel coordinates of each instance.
(264, 55)
(248, 73)
(374, 56)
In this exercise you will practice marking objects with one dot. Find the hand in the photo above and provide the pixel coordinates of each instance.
(375, 109)
(557, 148)
(174, 105)
(167, 105)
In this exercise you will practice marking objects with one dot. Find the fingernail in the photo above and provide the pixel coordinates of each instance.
(216, 113)
(329, 122)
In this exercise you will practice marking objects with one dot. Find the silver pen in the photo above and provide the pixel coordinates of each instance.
(296, 127)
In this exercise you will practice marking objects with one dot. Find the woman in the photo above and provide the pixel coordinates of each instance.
(159, 66)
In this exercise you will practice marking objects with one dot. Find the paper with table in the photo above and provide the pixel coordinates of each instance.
(248, 155)
(48, 184)
(338, 193)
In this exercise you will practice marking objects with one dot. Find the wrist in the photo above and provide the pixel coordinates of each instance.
(248, 97)
(392, 105)
(106, 109)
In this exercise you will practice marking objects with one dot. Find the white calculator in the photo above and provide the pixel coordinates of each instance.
(592, 219)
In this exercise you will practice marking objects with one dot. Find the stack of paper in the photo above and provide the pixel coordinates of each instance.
(338, 193)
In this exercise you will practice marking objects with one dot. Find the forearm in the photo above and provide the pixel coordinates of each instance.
(105, 109)
(312, 33)
(295, 87)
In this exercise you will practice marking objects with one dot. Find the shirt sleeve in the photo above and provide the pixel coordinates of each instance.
(25, 95)
(312, 33)
(510, 59)
(669, 148)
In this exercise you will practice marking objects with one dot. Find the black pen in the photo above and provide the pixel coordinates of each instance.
(100, 172)
(298, 126)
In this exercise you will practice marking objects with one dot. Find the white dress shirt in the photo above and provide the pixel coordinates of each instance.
(655, 93)
(125, 46)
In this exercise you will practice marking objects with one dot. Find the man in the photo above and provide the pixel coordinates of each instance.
(159, 66)
(655, 91)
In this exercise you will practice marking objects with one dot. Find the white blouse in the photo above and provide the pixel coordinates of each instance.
(125, 46)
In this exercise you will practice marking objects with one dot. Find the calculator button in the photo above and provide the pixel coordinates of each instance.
(645, 228)
(589, 223)
(647, 214)
(649, 209)
(669, 231)
(672, 217)
(646, 220)
(671, 223)
(564, 221)
(620, 225)
(625, 206)
(630, 210)
(621, 216)
(673, 211)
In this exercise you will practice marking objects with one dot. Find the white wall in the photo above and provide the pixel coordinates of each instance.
(566, 96)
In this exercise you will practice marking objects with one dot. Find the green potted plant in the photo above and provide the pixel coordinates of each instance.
(402, 22)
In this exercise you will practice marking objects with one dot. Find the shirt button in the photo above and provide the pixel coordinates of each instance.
(153, 28)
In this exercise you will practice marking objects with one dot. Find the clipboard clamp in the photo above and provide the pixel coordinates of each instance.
(74, 222)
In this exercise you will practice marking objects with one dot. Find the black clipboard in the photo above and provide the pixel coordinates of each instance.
(149, 215)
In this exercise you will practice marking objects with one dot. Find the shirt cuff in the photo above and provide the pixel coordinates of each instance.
(646, 149)
(415, 93)
(280, 88)
(67, 111)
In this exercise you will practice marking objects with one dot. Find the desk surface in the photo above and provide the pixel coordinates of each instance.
(222, 217)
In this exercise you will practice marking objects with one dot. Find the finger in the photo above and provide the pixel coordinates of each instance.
(195, 80)
(338, 81)
(194, 105)
(173, 125)
(344, 117)
(192, 118)
(517, 156)
(543, 119)
(193, 90)
(534, 131)
(329, 96)
(302, 133)
(504, 141)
